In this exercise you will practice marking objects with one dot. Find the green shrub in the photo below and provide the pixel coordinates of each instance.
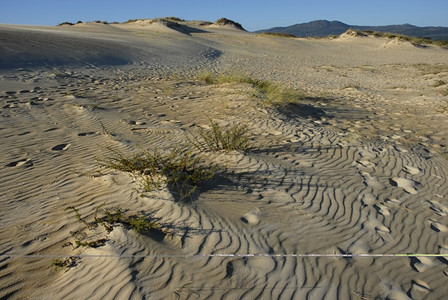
(68, 262)
(139, 223)
(232, 138)
(111, 217)
(178, 170)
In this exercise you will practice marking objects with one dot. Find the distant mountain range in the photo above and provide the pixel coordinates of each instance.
(322, 28)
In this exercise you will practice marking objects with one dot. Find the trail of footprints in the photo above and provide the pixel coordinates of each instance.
(293, 181)
(408, 186)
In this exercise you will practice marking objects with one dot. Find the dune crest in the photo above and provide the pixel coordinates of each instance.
(111, 189)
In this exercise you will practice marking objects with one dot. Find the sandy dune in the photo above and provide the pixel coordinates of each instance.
(359, 167)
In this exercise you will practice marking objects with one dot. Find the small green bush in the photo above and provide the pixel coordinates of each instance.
(111, 217)
(177, 170)
(68, 262)
(232, 138)
(139, 223)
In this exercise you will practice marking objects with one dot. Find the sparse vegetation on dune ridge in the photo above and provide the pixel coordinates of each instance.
(225, 21)
(278, 34)
(412, 39)
(69, 23)
(195, 154)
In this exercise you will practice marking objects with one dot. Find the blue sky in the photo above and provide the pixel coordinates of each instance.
(253, 15)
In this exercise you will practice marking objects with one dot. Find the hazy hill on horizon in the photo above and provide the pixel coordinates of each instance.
(321, 28)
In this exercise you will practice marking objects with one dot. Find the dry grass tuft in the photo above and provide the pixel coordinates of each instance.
(269, 93)
(278, 34)
(231, 138)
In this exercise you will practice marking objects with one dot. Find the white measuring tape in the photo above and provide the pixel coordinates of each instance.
(226, 255)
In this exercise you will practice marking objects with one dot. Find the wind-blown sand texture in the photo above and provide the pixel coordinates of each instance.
(360, 167)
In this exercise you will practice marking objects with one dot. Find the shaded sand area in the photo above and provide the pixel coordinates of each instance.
(358, 166)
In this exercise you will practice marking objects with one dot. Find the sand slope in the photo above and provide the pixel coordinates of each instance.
(359, 168)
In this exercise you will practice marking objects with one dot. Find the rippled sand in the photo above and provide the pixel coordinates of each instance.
(359, 167)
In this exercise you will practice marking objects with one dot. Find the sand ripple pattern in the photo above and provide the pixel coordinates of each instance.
(303, 189)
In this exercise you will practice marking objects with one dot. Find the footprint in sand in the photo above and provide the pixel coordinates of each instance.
(273, 132)
(303, 163)
(51, 129)
(437, 226)
(371, 181)
(421, 264)
(444, 250)
(26, 162)
(392, 291)
(399, 149)
(382, 209)
(361, 247)
(87, 133)
(407, 185)
(375, 226)
(411, 170)
(367, 153)
(438, 208)
(418, 289)
(367, 199)
(253, 217)
(393, 201)
(60, 147)
(365, 163)
(229, 270)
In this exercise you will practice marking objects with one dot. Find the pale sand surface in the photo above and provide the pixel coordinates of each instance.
(359, 168)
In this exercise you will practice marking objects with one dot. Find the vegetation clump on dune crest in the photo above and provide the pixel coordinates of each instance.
(414, 40)
(66, 23)
(174, 19)
(278, 34)
(225, 22)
